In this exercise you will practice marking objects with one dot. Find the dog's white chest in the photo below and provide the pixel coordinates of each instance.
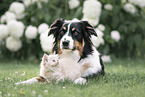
(73, 55)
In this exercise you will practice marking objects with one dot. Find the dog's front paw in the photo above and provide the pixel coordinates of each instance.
(80, 81)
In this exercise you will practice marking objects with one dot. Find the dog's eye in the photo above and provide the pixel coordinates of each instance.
(76, 33)
(53, 60)
(61, 32)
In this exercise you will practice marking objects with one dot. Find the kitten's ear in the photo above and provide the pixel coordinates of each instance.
(45, 58)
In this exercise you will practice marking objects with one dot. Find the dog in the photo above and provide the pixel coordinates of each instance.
(73, 39)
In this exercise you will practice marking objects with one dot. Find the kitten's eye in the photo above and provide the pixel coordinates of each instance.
(53, 60)
(76, 33)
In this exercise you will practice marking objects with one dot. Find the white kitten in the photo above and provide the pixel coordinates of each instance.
(50, 68)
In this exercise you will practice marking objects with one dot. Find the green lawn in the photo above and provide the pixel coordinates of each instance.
(124, 78)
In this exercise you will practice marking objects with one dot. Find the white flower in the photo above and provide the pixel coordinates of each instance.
(92, 11)
(9, 94)
(10, 16)
(16, 28)
(97, 41)
(108, 7)
(31, 32)
(45, 1)
(73, 3)
(21, 16)
(115, 35)
(33, 92)
(128, 7)
(42, 28)
(46, 42)
(101, 27)
(99, 33)
(40, 96)
(45, 91)
(140, 3)
(106, 58)
(13, 44)
(3, 31)
(92, 21)
(3, 19)
(29, 2)
(123, 1)
(17, 8)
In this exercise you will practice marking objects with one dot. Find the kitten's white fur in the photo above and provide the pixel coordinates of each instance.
(50, 68)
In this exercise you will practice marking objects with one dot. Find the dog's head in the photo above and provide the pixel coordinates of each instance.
(71, 35)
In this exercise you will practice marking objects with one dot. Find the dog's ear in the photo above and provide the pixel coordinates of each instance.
(54, 28)
(89, 28)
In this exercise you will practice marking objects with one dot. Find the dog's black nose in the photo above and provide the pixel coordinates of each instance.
(66, 43)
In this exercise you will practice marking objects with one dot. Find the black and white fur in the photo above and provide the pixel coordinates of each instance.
(72, 39)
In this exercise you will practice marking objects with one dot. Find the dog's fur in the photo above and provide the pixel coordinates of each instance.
(72, 39)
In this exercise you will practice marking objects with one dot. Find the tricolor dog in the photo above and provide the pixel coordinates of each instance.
(72, 39)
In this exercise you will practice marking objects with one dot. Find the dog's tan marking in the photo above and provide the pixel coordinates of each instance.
(61, 32)
(73, 29)
(59, 50)
(79, 46)
(64, 28)
(85, 66)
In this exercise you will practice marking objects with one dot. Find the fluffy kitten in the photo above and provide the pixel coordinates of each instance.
(50, 68)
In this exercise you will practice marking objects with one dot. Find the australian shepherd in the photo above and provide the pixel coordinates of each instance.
(72, 39)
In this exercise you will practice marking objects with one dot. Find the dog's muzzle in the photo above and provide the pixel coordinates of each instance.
(65, 44)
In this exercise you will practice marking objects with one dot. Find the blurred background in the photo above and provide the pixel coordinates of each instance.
(120, 25)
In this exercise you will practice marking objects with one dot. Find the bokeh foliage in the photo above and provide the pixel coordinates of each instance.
(130, 26)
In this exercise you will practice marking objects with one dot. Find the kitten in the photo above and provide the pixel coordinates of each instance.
(50, 68)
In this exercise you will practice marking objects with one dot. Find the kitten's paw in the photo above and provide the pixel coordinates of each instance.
(80, 81)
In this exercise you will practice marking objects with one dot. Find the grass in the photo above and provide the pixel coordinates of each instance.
(124, 78)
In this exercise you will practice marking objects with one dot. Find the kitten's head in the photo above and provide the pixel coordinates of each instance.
(50, 60)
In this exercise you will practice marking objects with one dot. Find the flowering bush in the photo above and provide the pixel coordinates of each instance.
(119, 25)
